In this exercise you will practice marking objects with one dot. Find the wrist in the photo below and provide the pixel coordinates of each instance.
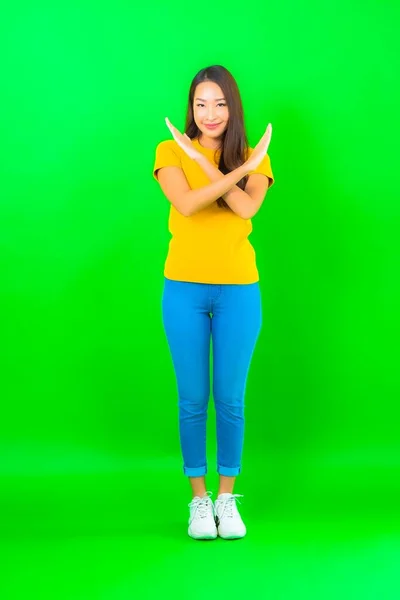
(200, 158)
(245, 168)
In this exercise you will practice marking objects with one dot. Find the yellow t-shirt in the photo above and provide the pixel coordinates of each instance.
(212, 245)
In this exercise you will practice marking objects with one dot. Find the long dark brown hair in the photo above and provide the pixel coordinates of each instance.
(234, 145)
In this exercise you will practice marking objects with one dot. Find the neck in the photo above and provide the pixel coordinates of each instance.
(215, 146)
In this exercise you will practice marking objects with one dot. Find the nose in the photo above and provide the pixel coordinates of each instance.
(210, 113)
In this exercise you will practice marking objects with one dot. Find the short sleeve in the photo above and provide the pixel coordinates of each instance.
(265, 168)
(166, 156)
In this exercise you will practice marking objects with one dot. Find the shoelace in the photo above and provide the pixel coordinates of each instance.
(229, 503)
(203, 506)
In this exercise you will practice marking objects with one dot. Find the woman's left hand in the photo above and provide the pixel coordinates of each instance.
(183, 140)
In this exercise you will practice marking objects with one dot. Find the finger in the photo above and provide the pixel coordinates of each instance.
(169, 124)
(268, 132)
(172, 129)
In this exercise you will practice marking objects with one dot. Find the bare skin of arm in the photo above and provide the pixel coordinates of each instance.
(245, 203)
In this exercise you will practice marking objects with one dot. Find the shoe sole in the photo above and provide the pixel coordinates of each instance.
(229, 537)
(203, 537)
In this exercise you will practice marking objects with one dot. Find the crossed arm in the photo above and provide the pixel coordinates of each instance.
(245, 203)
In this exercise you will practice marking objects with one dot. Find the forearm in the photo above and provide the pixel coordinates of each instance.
(235, 197)
(220, 185)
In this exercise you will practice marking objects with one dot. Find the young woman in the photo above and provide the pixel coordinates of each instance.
(215, 184)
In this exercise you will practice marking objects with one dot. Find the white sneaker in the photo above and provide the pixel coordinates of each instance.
(229, 522)
(202, 518)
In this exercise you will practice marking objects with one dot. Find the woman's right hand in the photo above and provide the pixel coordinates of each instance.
(183, 141)
(260, 150)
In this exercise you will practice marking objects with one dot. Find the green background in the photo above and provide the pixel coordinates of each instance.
(93, 500)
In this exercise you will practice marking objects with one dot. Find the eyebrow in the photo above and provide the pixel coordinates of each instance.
(216, 99)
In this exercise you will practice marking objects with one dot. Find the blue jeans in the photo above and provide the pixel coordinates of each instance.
(230, 316)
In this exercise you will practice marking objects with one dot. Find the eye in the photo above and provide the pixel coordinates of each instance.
(220, 104)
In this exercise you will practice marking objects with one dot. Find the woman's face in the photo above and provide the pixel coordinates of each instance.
(210, 108)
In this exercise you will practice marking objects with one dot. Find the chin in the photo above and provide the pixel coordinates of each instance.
(211, 133)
